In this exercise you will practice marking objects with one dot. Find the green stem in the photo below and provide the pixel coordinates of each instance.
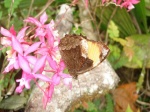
(10, 14)
(141, 78)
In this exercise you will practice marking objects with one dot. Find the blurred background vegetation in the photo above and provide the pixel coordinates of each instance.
(126, 33)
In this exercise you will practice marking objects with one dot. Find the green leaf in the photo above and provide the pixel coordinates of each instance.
(91, 107)
(141, 51)
(1, 13)
(18, 23)
(97, 103)
(13, 102)
(77, 31)
(119, 16)
(140, 14)
(116, 58)
(66, 71)
(147, 4)
(109, 106)
(113, 30)
(11, 5)
(37, 3)
(129, 109)
(78, 111)
(123, 42)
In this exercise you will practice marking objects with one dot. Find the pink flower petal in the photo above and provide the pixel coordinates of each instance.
(43, 18)
(68, 82)
(5, 32)
(32, 48)
(42, 51)
(12, 30)
(48, 95)
(21, 33)
(52, 62)
(114, 1)
(27, 85)
(31, 59)
(24, 64)
(61, 65)
(51, 90)
(8, 67)
(50, 36)
(63, 75)
(39, 64)
(34, 21)
(86, 3)
(40, 32)
(16, 45)
(42, 77)
(6, 41)
(19, 89)
(16, 65)
(135, 1)
(56, 79)
(130, 7)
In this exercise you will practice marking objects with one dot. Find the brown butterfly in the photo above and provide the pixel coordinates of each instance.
(80, 54)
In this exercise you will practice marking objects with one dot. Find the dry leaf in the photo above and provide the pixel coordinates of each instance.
(130, 42)
(125, 95)
(128, 48)
(128, 52)
(85, 105)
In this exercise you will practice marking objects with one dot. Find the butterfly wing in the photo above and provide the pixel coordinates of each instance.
(80, 54)
(97, 51)
(74, 54)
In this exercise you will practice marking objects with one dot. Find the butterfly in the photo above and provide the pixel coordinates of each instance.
(81, 54)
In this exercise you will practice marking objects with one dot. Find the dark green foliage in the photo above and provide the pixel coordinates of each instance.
(140, 14)
(13, 102)
(109, 101)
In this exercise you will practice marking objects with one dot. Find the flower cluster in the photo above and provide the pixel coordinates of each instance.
(33, 56)
(128, 4)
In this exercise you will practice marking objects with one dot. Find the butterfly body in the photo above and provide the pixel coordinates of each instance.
(80, 54)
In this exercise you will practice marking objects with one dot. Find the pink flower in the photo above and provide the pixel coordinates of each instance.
(13, 62)
(129, 4)
(13, 39)
(58, 73)
(37, 67)
(5, 41)
(24, 82)
(28, 73)
(50, 46)
(31, 58)
(40, 30)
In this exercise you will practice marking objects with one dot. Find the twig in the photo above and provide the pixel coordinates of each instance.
(147, 80)
(143, 103)
(94, 21)
(136, 24)
(29, 11)
(44, 8)
(141, 78)
(112, 15)
(10, 13)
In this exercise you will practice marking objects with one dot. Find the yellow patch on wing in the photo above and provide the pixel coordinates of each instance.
(94, 52)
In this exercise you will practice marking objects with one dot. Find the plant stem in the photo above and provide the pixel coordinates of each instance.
(141, 78)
